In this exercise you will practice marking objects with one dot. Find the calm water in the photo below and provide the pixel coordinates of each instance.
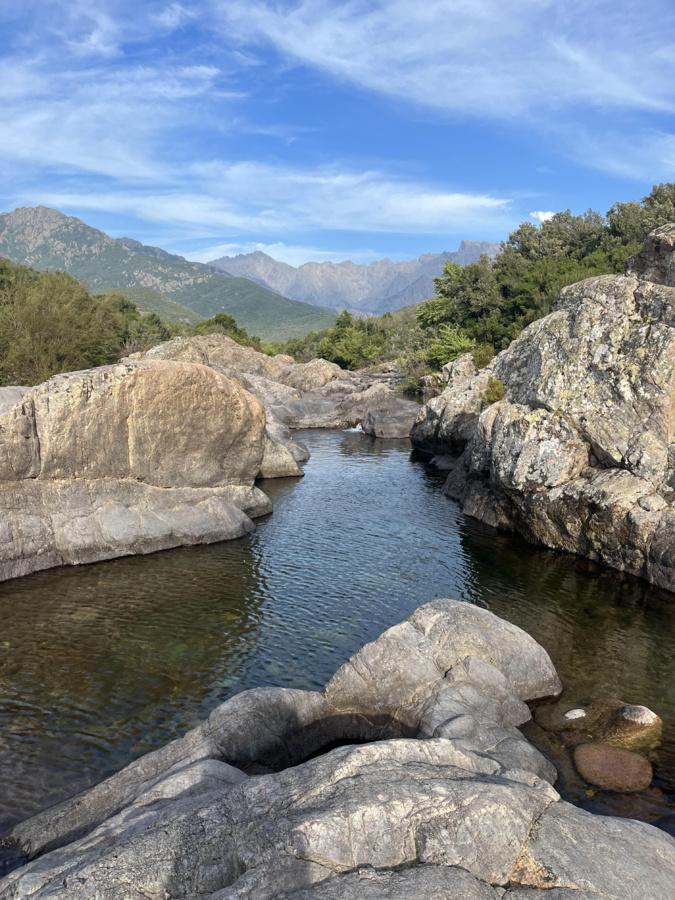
(103, 663)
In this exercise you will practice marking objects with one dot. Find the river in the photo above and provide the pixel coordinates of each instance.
(103, 663)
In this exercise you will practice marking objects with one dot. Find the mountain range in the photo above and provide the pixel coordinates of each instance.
(155, 280)
(372, 288)
(269, 298)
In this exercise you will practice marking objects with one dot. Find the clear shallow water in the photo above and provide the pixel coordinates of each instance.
(102, 663)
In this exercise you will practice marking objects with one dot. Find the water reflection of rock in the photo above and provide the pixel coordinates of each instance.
(294, 601)
(101, 664)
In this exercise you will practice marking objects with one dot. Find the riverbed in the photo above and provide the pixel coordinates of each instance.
(102, 663)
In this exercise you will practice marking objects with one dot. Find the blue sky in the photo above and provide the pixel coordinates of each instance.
(325, 130)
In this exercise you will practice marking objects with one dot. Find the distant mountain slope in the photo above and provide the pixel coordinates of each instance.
(375, 288)
(47, 239)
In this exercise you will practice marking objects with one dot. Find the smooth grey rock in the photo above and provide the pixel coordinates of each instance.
(464, 815)
(278, 461)
(629, 860)
(428, 882)
(126, 459)
(438, 636)
(392, 422)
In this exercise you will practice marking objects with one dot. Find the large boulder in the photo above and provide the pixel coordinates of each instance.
(438, 796)
(218, 350)
(315, 394)
(317, 409)
(567, 435)
(312, 375)
(124, 459)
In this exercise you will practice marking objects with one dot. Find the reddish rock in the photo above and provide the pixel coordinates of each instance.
(612, 768)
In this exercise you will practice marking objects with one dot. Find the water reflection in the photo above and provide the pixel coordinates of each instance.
(102, 663)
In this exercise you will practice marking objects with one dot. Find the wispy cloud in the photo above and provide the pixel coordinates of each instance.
(501, 58)
(174, 16)
(542, 216)
(252, 197)
(174, 112)
(641, 154)
(97, 120)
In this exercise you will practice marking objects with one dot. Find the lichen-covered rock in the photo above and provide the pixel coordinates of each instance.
(10, 396)
(447, 799)
(656, 260)
(124, 459)
(580, 453)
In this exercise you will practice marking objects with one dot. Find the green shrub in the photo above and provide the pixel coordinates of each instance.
(493, 392)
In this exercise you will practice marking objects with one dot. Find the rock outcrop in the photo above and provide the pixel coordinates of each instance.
(436, 795)
(316, 394)
(568, 436)
(124, 459)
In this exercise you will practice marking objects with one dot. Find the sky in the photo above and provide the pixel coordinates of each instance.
(319, 130)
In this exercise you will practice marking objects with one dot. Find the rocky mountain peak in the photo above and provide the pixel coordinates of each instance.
(34, 225)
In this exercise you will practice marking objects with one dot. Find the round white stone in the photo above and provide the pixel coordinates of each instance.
(639, 715)
(574, 714)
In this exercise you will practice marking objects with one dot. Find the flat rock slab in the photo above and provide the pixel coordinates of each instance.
(613, 768)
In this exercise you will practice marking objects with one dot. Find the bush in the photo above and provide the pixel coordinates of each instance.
(493, 392)
(49, 323)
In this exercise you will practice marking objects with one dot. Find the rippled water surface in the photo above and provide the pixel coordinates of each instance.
(102, 663)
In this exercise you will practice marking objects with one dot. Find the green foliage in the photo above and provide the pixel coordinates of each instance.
(183, 291)
(356, 343)
(493, 392)
(450, 344)
(491, 302)
(50, 323)
(222, 323)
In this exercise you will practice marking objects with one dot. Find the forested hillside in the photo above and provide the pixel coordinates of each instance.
(168, 285)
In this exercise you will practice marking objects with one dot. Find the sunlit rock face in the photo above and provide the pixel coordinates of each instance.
(579, 455)
(315, 394)
(407, 777)
(125, 459)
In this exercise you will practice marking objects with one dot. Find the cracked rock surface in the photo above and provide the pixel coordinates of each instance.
(580, 454)
(406, 778)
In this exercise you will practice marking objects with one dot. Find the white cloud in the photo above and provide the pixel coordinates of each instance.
(97, 120)
(541, 216)
(248, 197)
(173, 16)
(502, 58)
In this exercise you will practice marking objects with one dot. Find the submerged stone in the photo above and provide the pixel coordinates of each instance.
(613, 768)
